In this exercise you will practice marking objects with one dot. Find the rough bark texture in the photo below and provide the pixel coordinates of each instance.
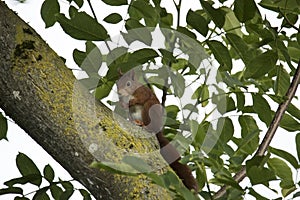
(43, 97)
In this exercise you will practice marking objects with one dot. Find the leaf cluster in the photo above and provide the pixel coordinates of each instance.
(31, 175)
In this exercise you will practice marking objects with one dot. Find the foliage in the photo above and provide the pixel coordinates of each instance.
(30, 174)
(256, 62)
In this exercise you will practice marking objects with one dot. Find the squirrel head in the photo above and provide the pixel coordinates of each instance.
(127, 84)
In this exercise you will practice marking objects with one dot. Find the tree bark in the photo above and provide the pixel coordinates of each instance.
(43, 97)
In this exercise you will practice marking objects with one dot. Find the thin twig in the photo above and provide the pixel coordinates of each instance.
(271, 130)
(95, 17)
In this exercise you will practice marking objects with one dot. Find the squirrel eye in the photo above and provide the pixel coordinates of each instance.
(128, 84)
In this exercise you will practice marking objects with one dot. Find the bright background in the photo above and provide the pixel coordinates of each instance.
(19, 141)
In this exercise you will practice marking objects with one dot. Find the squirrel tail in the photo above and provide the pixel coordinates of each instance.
(172, 156)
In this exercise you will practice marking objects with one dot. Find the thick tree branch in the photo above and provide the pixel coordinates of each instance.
(271, 130)
(43, 97)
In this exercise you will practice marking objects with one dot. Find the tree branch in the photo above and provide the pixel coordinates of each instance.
(271, 130)
(62, 116)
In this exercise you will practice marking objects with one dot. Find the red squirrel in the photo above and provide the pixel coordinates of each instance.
(145, 110)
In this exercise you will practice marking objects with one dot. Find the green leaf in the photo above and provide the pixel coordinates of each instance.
(284, 51)
(294, 111)
(85, 194)
(78, 56)
(23, 180)
(240, 100)
(231, 80)
(256, 195)
(172, 111)
(3, 127)
(143, 9)
(221, 53)
(281, 6)
(199, 23)
(260, 175)
(27, 167)
(286, 191)
(226, 128)
(179, 64)
(66, 195)
(133, 24)
(297, 194)
(261, 65)
(186, 32)
(170, 180)
(282, 170)
(289, 20)
(48, 11)
(89, 61)
(117, 55)
(230, 104)
(72, 11)
(41, 194)
(166, 19)
(48, 173)
(56, 191)
(228, 181)
(137, 32)
(191, 107)
(21, 198)
(200, 132)
(294, 51)
(113, 18)
(178, 83)
(11, 190)
(240, 47)
(204, 95)
(289, 123)
(82, 27)
(282, 82)
(285, 155)
(244, 10)
(117, 168)
(137, 163)
(79, 3)
(231, 25)
(167, 57)
(297, 140)
(250, 135)
(115, 2)
(217, 15)
(143, 55)
(201, 93)
(67, 185)
(262, 108)
(157, 179)
(104, 88)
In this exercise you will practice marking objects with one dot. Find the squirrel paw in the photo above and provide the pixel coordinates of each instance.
(139, 122)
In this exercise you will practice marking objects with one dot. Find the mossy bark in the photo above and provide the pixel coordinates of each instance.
(43, 97)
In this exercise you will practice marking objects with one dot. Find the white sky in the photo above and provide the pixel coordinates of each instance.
(19, 141)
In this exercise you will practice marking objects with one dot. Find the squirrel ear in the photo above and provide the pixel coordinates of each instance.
(120, 72)
(132, 75)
